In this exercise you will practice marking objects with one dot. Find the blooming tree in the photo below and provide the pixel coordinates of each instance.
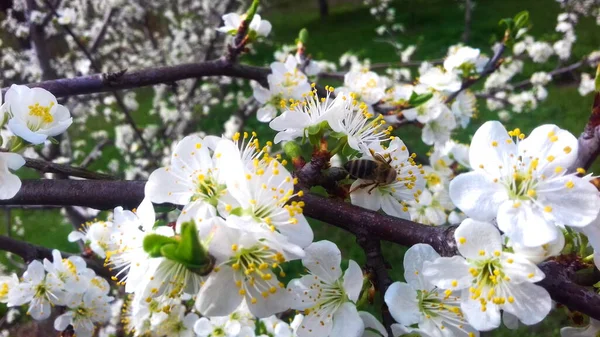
(209, 235)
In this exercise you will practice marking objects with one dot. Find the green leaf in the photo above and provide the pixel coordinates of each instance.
(319, 190)
(164, 209)
(53, 140)
(190, 249)
(416, 99)
(349, 152)
(154, 242)
(521, 19)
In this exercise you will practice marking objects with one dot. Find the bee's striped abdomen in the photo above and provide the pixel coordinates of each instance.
(361, 168)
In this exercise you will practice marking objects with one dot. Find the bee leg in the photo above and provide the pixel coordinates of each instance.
(372, 188)
(362, 186)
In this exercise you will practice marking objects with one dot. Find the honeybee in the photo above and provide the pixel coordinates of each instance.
(379, 171)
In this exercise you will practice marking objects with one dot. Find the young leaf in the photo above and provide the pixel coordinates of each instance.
(154, 242)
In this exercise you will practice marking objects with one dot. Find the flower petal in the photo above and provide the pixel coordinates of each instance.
(478, 319)
(531, 303)
(525, 224)
(218, 296)
(323, 259)
(550, 142)
(403, 302)
(353, 281)
(347, 322)
(575, 206)
(490, 147)
(477, 195)
(473, 237)
(445, 272)
(414, 260)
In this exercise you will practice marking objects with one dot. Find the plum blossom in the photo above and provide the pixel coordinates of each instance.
(489, 279)
(300, 115)
(438, 130)
(366, 85)
(325, 295)
(7, 283)
(286, 82)
(440, 80)
(461, 56)
(419, 302)
(41, 291)
(464, 107)
(586, 85)
(246, 263)
(84, 310)
(391, 198)
(232, 21)
(524, 184)
(98, 235)
(10, 183)
(35, 114)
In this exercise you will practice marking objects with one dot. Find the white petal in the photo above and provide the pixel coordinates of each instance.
(165, 186)
(550, 140)
(391, 206)
(20, 129)
(266, 113)
(577, 206)
(203, 327)
(261, 94)
(353, 281)
(361, 197)
(472, 237)
(313, 326)
(444, 272)
(61, 322)
(478, 319)
(525, 225)
(346, 322)
(370, 322)
(323, 259)
(219, 295)
(477, 195)
(531, 304)
(76, 236)
(414, 260)
(403, 302)
(489, 147)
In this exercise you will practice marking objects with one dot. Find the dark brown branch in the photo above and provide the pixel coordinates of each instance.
(29, 252)
(146, 77)
(48, 167)
(94, 153)
(376, 267)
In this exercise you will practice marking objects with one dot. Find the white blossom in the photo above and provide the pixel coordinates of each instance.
(489, 280)
(524, 184)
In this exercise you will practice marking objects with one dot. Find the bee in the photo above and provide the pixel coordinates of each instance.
(379, 171)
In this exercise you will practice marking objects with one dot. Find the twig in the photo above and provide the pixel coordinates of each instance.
(97, 67)
(105, 23)
(38, 38)
(492, 65)
(29, 252)
(95, 153)
(48, 167)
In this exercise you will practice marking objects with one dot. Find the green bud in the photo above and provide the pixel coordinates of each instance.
(303, 36)
(521, 19)
(415, 99)
(251, 11)
(292, 150)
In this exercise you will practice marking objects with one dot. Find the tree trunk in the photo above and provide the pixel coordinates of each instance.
(323, 8)
(467, 31)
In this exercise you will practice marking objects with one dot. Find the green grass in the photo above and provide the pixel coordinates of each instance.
(432, 25)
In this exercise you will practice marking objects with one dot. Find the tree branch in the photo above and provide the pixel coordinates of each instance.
(589, 140)
(492, 65)
(109, 82)
(105, 23)
(30, 252)
(48, 167)
(108, 194)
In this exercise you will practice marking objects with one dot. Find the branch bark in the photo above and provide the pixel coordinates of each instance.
(29, 252)
(48, 167)
(108, 82)
(589, 140)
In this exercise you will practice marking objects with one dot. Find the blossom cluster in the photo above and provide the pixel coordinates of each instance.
(65, 282)
(28, 117)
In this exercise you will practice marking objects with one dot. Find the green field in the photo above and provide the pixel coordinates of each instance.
(432, 25)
